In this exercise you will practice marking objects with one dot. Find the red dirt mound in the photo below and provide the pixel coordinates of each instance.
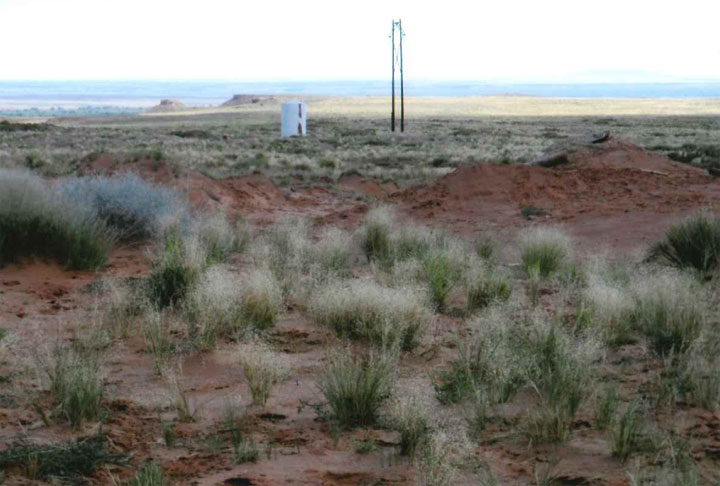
(611, 178)
(355, 183)
(236, 194)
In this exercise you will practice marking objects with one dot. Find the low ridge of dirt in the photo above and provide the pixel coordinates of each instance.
(614, 193)
(356, 183)
(603, 181)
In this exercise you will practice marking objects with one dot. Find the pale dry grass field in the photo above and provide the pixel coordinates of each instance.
(352, 134)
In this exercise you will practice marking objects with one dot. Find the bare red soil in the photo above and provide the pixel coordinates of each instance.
(615, 195)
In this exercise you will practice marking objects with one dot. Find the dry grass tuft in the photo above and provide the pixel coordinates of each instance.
(360, 309)
(263, 369)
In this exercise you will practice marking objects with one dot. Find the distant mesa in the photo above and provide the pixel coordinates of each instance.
(167, 106)
(249, 99)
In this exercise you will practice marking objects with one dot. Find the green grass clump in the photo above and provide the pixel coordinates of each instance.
(410, 416)
(332, 252)
(263, 369)
(486, 291)
(694, 243)
(365, 446)
(606, 407)
(559, 374)
(287, 245)
(159, 343)
(385, 241)
(485, 245)
(150, 474)
(244, 450)
(699, 378)
(364, 310)
(218, 237)
(174, 272)
(261, 300)
(355, 388)
(669, 312)
(68, 461)
(544, 249)
(213, 308)
(627, 432)
(482, 366)
(440, 274)
(35, 221)
(76, 385)
(376, 235)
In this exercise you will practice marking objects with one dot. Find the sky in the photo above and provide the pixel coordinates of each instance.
(486, 40)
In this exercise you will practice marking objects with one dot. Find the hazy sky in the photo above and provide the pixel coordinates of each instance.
(516, 40)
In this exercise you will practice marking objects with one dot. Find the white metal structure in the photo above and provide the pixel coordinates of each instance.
(294, 119)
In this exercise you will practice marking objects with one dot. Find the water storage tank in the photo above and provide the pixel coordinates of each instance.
(294, 119)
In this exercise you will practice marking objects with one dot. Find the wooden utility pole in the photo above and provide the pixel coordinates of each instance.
(397, 61)
(402, 82)
(392, 115)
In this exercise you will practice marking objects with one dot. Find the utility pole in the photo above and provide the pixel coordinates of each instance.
(392, 115)
(402, 82)
(397, 61)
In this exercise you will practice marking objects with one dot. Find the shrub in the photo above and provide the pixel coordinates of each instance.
(263, 368)
(261, 300)
(694, 243)
(36, 221)
(546, 248)
(365, 310)
(76, 384)
(668, 311)
(150, 474)
(355, 388)
(410, 415)
(175, 271)
(131, 206)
